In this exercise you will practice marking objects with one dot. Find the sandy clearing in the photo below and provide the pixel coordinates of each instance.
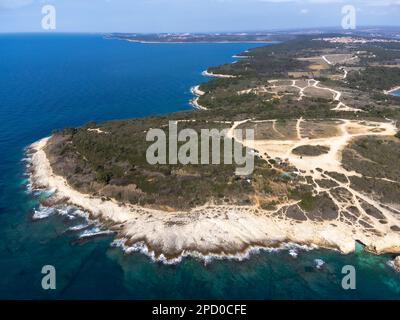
(332, 162)
(97, 130)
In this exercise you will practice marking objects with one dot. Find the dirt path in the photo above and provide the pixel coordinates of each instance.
(273, 88)
(317, 167)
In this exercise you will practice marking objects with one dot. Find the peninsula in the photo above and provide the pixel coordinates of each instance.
(327, 168)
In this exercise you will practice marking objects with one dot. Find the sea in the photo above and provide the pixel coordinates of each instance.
(50, 81)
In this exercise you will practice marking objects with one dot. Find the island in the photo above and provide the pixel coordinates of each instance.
(327, 157)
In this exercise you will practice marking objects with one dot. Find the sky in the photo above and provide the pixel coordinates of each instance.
(147, 16)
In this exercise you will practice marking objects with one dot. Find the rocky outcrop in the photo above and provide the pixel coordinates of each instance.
(396, 263)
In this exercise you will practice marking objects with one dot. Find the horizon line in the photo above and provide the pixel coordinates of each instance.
(200, 32)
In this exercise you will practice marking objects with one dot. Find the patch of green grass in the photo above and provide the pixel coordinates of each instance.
(308, 201)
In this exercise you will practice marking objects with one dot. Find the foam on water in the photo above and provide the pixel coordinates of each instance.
(294, 253)
(79, 227)
(94, 232)
(43, 212)
(319, 263)
(141, 247)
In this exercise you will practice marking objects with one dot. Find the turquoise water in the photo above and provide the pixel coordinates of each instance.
(49, 82)
(396, 93)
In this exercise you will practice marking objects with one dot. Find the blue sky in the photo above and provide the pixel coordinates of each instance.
(191, 15)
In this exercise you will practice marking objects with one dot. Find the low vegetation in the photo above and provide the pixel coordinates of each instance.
(112, 163)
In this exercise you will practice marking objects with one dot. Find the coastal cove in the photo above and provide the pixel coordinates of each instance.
(134, 83)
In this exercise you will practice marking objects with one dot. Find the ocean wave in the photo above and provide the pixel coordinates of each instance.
(94, 232)
(141, 247)
(79, 227)
(68, 211)
(72, 212)
(43, 212)
(392, 264)
(319, 263)
(294, 253)
(27, 160)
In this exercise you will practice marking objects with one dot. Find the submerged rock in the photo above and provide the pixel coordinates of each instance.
(396, 263)
(319, 263)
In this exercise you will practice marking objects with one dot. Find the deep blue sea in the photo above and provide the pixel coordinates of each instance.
(54, 81)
